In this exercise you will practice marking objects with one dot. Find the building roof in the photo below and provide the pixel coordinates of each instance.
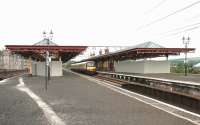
(37, 52)
(197, 65)
(148, 45)
(144, 50)
(45, 42)
(142, 45)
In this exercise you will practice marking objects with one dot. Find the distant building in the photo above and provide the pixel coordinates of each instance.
(11, 61)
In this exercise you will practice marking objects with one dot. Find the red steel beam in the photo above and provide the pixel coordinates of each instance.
(26, 48)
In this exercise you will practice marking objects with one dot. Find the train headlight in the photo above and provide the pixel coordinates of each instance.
(91, 68)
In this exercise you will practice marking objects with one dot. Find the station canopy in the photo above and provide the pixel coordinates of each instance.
(38, 50)
(141, 51)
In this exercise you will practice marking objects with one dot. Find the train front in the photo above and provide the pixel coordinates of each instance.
(91, 68)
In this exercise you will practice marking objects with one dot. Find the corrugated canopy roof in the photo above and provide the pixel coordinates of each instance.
(148, 45)
(143, 50)
(37, 52)
(45, 42)
(142, 45)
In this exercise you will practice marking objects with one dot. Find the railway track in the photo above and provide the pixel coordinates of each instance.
(183, 100)
(10, 73)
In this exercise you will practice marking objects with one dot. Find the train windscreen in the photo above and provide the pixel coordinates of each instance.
(90, 64)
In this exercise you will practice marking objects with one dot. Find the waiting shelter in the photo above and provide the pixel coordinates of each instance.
(126, 60)
(37, 56)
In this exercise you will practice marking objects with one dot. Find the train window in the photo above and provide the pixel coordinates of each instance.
(90, 64)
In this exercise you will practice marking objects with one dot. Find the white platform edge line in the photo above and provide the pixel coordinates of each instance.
(47, 110)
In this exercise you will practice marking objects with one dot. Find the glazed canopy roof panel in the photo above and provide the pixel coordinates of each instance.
(38, 51)
(144, 50)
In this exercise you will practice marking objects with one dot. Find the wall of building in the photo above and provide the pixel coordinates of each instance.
(129, 66)
(157, 67)
(34, 68)
(11, 61)
(56, 68)
(38, 68)
(145, 66)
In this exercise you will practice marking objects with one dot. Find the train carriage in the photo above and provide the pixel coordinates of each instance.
(87, 67)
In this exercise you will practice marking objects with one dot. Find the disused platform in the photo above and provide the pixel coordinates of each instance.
(192, 78)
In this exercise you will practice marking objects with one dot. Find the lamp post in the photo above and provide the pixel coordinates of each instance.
(186, 41)
(49, 58)
(47, 65)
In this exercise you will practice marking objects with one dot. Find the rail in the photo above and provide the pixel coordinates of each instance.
(6, 73)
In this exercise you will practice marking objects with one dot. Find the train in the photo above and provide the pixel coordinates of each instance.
(87, 67)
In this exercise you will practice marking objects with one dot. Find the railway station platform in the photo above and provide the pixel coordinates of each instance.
(190, 78)
(79, 100)
(171, 76)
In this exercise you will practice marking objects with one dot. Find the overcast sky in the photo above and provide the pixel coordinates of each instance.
(101, 22)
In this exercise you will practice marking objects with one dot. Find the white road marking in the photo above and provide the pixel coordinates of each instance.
(143, 99)
(3, 82)
(47, 110)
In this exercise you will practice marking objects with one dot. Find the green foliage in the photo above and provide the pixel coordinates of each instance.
(191, 61)
(180, 68)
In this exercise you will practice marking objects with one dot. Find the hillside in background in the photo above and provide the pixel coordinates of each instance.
(191, 61)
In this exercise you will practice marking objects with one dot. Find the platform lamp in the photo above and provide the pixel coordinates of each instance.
(186, 41)
(49, 39)
(46, 63)
(47, 66)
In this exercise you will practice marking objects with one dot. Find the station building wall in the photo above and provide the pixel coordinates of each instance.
(38, 68)
(157, 67)
(56, 68)
(146, 66)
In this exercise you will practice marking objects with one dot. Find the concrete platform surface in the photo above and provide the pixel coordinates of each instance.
(78, 101)
(17, 108)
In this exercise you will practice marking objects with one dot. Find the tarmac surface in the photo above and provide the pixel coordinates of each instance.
(17, 108)
(78, 101)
